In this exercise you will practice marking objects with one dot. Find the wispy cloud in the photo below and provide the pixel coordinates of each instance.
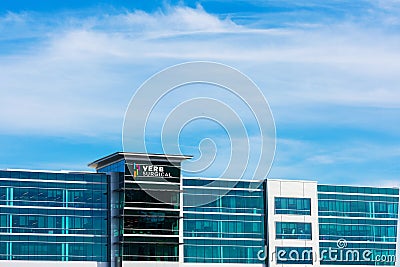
(92, 56)
(346, 161)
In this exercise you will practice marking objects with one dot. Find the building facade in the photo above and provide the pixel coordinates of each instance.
(292, 223)
(137, 210)
(53, 217)
(227, 229)
(366, 217)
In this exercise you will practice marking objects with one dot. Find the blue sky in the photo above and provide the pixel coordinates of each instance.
(329, 70)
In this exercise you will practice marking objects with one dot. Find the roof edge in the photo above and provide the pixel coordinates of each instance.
(121, 155)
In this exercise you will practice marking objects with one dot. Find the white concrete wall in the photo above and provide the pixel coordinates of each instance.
(52, 264)
(295, 189)
(181, 248)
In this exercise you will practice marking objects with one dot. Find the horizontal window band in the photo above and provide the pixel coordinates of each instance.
(50, 235)
(220, 234)
(55, 215)
(150, 216)
(325, 217)
(148, 256)
(390, 240)
(150, 182)
(352, 224)
(37, 244)
(222, 213)
(85, 187)
(294, 209)
(361, 215)
(150, 235)
(151, 209)
(52, 228)
(152, 189)
(150, 242)
(212, 220)
(51, 181)
(392, 201)
(355, 194)
(222, 188)
(360, 244)
(57, 243)
(200, 209)
(151, 229)
(225, 246)
(225, 217)
(223, 239)
(232, 260)
(53, 208)
(219, 195)
(233, 212)
(49, 256)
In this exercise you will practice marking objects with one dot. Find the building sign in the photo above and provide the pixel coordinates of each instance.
(148, 170)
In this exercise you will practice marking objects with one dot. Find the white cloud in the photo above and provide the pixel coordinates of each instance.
(86, 69)
(348, 161)
(177, 20)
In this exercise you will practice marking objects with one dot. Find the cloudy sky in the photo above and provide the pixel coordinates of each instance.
(329, 70)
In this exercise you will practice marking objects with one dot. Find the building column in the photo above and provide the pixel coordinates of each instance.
(181, 250)
(10, 202)
(9, 196)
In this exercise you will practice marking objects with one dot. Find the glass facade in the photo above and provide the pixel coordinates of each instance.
(370, 206)
(295, 206)
(53, 216)
(114, 167)
(365, 217)
(358, 190)
(229, 229)
(293, 230)
(358, 229)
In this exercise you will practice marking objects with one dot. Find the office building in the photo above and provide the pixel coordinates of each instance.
(137, 210)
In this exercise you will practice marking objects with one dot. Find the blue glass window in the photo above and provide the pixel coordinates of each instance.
(115, 167)
(366, 217)
(293, 230)
(229, 229)
(297, 206)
